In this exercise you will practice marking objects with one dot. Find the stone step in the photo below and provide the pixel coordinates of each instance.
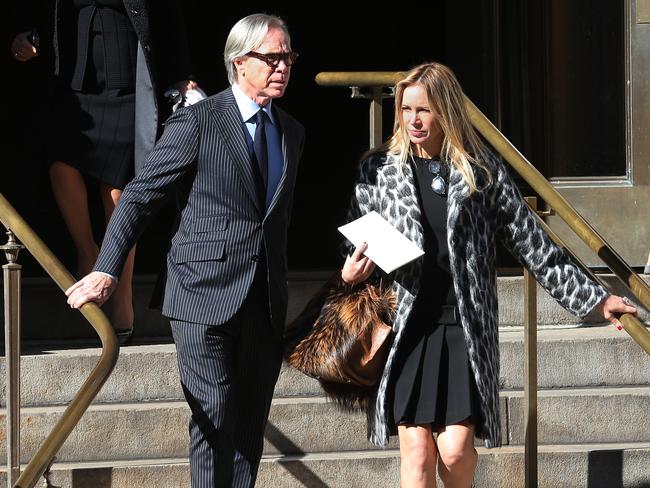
(44, 303)
(606, 414)
(590, 356)
(585, 356)
(567, 466)
(301, 425)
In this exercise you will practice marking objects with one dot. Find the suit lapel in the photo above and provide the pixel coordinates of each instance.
(288, 151)
(228, 119)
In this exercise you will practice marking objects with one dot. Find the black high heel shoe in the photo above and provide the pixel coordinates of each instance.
(124, 336)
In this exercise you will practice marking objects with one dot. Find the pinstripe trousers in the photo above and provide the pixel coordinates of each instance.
(228, 373)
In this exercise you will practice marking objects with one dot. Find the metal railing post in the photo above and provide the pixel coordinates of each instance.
(530, 384)
(376, 96)
(376, 109)
(11, 274)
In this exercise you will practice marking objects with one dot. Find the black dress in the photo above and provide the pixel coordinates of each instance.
(95, 105)
(434, 383)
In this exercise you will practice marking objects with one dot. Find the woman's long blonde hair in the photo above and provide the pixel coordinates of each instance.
(461, 145)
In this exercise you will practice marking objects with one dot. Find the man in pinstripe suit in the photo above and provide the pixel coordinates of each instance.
(233, 173)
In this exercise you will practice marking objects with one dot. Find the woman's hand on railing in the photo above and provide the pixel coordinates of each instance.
(94, 287)
(357, 267)
(614, 304)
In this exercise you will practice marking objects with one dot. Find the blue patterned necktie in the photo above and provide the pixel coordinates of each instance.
(259, 145)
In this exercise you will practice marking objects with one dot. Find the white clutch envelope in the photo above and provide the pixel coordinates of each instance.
(387, 246)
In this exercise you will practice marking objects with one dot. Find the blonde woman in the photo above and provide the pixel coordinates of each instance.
(437, 183)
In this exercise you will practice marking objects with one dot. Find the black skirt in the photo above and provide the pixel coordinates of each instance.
(96, 135)
(434, 382)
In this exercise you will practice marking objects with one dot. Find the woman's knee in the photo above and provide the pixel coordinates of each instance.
(458, 456)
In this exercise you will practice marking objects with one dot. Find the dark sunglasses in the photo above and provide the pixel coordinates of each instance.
(273, 59)
(438, 184)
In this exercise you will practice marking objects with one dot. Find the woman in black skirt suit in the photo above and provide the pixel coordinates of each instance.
(436, 182)
(112, 61)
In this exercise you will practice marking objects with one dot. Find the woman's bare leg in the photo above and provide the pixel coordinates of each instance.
(122, 299)
(457, 456)
(418, 456)
(71, 196)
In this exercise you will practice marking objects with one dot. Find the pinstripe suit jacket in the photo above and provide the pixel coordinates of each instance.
(202, 158)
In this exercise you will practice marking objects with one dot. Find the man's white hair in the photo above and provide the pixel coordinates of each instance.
(247, 35)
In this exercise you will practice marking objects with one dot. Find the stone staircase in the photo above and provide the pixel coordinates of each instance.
(593, 406)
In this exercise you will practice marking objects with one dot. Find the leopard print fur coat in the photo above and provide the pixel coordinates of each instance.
(473, 222)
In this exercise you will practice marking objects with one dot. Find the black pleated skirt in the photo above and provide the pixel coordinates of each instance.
(434, 383)
(96, 136)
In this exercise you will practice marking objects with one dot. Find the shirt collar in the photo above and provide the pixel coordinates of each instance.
(247, 107)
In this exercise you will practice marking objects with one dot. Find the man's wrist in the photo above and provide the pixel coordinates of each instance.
(115, 278)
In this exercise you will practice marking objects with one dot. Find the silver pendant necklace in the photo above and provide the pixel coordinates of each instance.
(438, 184)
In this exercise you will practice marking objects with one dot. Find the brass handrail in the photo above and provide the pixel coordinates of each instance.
(538, 183)
(359, 78)
(573, 219)
(110, 348)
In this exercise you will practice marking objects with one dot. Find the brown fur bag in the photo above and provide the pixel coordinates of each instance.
(342, 338)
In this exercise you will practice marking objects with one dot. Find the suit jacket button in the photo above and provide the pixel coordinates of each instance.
(255, 258)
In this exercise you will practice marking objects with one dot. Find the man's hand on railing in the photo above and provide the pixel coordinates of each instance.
(614, 304)
(94, 287)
